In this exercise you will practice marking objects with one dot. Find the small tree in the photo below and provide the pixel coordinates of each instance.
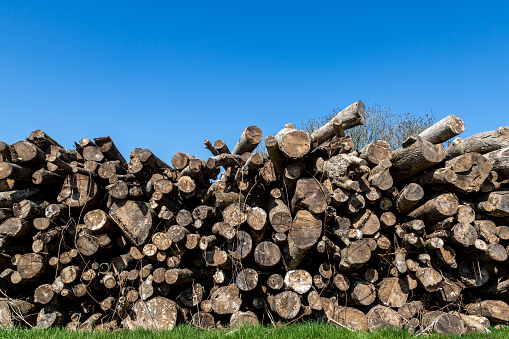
(381, 124)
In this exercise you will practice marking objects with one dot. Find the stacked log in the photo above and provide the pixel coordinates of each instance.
(312, 229)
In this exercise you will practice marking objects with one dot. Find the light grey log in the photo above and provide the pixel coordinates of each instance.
(443, 130)
(484, 142)
(350, 117)
(248, 141)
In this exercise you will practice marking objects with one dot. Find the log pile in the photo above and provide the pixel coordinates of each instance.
(416, 237)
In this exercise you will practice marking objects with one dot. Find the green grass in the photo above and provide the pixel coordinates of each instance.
(297, 331)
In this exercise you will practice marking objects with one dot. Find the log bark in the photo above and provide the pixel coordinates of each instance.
(250, 138)
(350, 117)
(8, 198)
(41, 139)
(484, 142)
(443, 130)
(15, 172)
(275, 156)
(436, 209)
(415, 156)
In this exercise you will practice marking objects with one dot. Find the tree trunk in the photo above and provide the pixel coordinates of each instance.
(248, 141)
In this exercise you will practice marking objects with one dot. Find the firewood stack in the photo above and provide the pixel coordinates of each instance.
(415, 237)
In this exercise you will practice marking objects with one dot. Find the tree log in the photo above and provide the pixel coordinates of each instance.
(267, 254)
(383, 317)
(415, 156)
(48, 317)
(280, 216)
(299, 281)
(79, 191)
(8, 198)
(443, 130)
(436, 209)
(250, 138)
(311, 195)
(499, 161)
(305, 231)
(293, 143)
(430, 279)
(393, 292)
(157, 313)
(26, 152)
(350, 117)
(135, 219)
(484, 142)
(247, 279)
(226, 299)
(286, 304)
(443, 323)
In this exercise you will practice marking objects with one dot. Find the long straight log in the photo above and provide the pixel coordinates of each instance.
(484, 142)
(443, 130)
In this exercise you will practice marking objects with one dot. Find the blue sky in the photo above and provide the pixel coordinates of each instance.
(165, 75)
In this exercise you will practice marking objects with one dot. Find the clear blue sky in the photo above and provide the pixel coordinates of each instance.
(165, 75)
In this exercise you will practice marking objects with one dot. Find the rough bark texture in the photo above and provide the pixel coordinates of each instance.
(415, 156)
(314, 232)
